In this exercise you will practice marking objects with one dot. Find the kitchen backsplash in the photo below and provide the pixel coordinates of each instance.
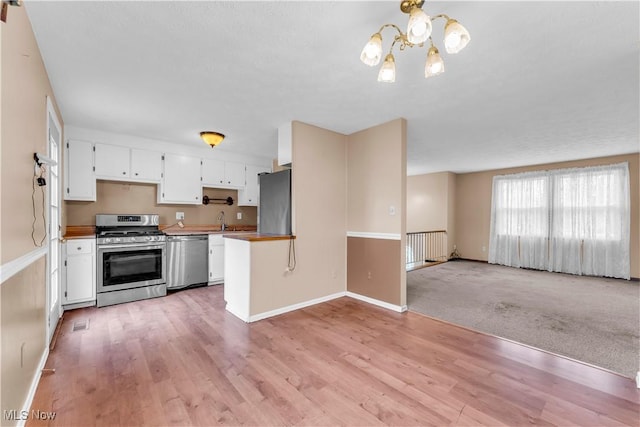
(119, 197)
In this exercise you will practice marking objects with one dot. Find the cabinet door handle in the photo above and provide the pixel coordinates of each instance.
(79, 248)
(136, 173)
(124, 173)
(196, 197)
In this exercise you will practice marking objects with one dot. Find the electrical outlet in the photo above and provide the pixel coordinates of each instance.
(368, 275)
(179, 215)
(484, 249)
(239, 215)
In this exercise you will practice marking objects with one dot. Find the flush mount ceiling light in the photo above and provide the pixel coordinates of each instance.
(212, 138)
(419, 29)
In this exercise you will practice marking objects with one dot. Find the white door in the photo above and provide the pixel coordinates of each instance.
(53, 193)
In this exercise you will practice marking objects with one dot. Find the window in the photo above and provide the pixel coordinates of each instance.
(522, 205)
(569, 220)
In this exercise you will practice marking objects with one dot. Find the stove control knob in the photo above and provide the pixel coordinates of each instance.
(107, 240)
(116, 240)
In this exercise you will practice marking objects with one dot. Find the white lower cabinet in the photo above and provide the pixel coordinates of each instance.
(79, 273)
(216, 258)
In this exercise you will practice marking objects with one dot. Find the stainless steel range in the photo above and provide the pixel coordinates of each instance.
(131, 258)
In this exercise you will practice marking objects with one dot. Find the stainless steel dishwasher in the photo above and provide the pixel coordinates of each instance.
(187, 260)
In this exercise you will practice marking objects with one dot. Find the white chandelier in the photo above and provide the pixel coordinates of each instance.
(419, 29)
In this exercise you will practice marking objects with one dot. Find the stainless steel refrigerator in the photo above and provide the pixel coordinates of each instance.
(274, 208)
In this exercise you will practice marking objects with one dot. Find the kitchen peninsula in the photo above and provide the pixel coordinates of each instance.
(259, 270)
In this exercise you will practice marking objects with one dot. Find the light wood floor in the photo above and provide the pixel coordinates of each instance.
(183, 360)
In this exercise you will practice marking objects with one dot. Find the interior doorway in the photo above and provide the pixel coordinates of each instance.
(53, 199)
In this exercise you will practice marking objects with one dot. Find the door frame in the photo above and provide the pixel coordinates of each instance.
(53, 314)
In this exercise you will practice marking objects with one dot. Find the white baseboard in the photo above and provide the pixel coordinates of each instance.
(298, 306)
(236, 313)
(26, 407)
(85, 304)
(383, 304)
(276, 312)
(638, 380)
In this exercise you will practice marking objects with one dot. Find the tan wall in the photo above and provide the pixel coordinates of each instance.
(376, 162)
(24, 85)
(376, 176)
(473, 205)
(319, 223)
(23, 334)
(373, 279)
(427, 202)
(118, 197)
(431, 204)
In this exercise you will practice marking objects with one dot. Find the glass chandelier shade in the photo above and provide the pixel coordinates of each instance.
(456, 37)
(435, 64)
(419, 31)
(387, 72)
(372, 51)
(419, 27)
(212, 138)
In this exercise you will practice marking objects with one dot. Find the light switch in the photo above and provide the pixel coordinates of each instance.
(179, 215)
(239, 215)
(392, 210)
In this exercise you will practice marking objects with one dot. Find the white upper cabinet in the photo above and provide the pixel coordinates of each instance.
(221, 174)
(212, 172)
(112, 161)
(234, 174)
(146, 165)
(180, 177)
(80, 182)
(285, 139)
(181, 180)
(250, 195)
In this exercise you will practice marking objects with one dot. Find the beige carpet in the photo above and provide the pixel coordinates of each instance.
(594, 320)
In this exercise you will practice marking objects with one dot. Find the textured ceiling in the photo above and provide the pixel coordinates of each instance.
(539, 81)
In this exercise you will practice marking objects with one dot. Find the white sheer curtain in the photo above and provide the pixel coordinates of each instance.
(520, 220)
(590, 221)
(568, 220)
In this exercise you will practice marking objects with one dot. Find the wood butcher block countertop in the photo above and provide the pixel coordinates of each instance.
(89, 231)
(187, 230)
(256, 237)
(80, 232)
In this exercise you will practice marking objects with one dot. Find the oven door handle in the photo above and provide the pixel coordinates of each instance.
(133, 245)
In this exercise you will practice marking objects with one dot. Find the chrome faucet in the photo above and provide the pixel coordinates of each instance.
(223, 226)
